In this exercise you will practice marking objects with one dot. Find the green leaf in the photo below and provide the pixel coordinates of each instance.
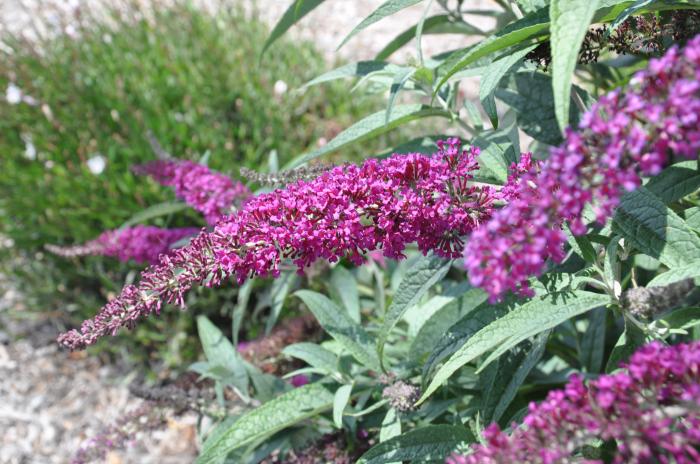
(531, 26)
(492, 75)
(528, 6)
(344, 285)
(530, 95)
(357, 69)
(385, 9)
(439, 24)
(636, 7)
(437, 326)
(692, 217)
(161, 209)
(474, 320)
(505, 376)
(416, 282)
(278, 292)
(371, 126)
(342, 396)
(434, 442)
(400, 79)
(630, 340)
(593, 341)
(313, 355)
(220, 352)
(569, 23)
(297, 10)
(391, 426)
(282, 412)
(497, 154)
(343, 329)
(675, 182)
(684, 319)
(655, 230)
(676, 274)
(526, 320)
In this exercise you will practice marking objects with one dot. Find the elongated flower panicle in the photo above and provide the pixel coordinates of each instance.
(651, 409)
(211, 193)
(142, 244)
(345, 212)
(624, 134)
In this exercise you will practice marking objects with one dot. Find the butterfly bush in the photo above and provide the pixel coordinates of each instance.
(651, 409)
(345, 212)
(625, 134)
(211, 193)
(142, 244)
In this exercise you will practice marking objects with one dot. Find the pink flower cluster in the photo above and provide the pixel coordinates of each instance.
(211, 193)
(626, 133)
(651, 409)
(142, 244)
(345, 212)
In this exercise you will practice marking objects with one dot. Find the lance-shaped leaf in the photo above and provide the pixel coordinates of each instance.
(526, 320)
(675, 182)
(655, 230)
(154, 211)
(439, 24)
(415, 283)
(313, 355)
(503, 378)
(275, 415)
(221, 353)
(428, 444)
(297, 10)
(338, 324)
(570, 20)
(357, 69)
(371, 126)
(385, 9)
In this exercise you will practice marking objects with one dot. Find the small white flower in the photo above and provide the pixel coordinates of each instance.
(29, 148)
(280, 87)
(13, 94)
(106, 38)
(96, 164)
(71, 31)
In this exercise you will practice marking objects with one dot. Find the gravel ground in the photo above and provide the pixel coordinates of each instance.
(50, 401)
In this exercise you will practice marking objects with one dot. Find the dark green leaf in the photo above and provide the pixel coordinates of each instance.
(313, 355)
(675, 182)
(569, 23)
(220, 352)
(526, 320)
(440, 24)
(357, 69)
(437, 326)
(655, 230)
(284, 411)
(492, 75)
(339, 325)
(415, 283)
(371, 126)
(297, 10)
(497, 154)
(385, 9)
(504, 377)
(630, 340)
(434, 442)
(593, 341)
(161, 209)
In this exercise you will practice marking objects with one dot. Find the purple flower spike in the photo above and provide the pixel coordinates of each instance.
(345, 212)
(623, 135)
(211, 193)
(651, 409)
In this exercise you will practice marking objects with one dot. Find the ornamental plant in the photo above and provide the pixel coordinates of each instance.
(471, 301)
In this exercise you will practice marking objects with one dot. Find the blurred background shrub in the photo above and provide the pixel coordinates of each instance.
(77, 113)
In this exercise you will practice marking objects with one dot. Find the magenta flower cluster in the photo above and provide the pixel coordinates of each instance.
(345, 212)
(626, 133)
(211, 193)
(651, 409)
(142, 244)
